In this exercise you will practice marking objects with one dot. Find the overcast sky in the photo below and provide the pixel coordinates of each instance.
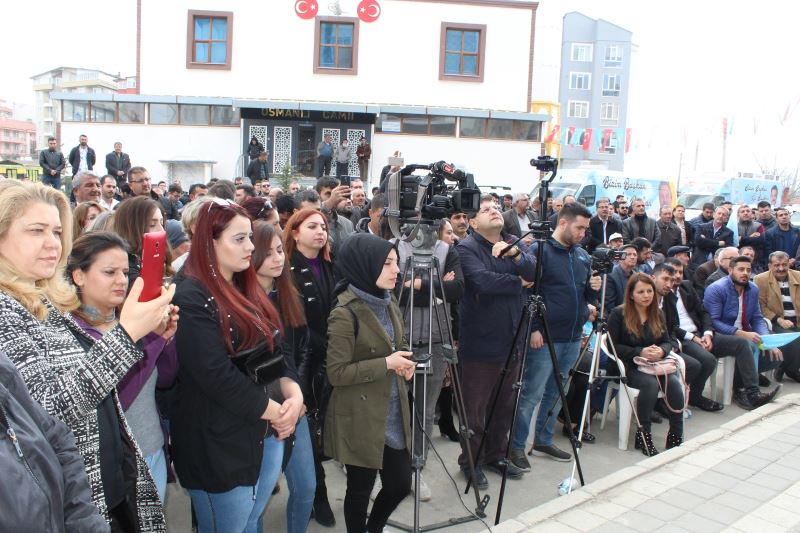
(696, 61)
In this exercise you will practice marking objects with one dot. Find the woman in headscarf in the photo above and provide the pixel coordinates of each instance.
(368, 420)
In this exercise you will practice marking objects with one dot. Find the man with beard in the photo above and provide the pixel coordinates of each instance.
(733, 304)
(751, 233)
(569, 292)
(82, 157)
(765, 216)
(700, 364)
(640, 225)
(460, 225)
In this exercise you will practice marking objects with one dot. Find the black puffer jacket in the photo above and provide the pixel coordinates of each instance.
(46, 489)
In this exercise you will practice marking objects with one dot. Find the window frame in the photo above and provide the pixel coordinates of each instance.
(190, 40)
(575, 75)
(353, 70)
(571, 103)
(458, 26)
(616, 61)
(515, 130)
(608, 81)
(429, 132)
(613, 119)
(576, 46)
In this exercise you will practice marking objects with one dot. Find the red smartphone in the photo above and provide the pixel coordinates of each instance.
(154, 249)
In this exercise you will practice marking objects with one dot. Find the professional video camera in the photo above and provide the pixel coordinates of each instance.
(603, 260)
(430, 197)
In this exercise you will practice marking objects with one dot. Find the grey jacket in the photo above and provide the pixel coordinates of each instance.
(630, 230)
(342, 154)
(46, 489)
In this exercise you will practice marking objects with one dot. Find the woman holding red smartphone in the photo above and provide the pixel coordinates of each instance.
(72, 380)
(235, 402)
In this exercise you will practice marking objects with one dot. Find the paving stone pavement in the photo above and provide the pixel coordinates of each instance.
(742, 477)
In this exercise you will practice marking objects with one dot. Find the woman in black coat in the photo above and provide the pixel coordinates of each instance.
(637, 328)
(305, 242)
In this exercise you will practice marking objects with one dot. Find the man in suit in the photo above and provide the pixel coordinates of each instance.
(711, 236)
(118, 163)
(601, 226)
(516, 219)
(618, 278)
(640, 225)
(779, 297)
(700, 364)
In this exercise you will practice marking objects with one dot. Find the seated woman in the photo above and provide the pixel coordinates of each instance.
(368, 419)
(637, 328)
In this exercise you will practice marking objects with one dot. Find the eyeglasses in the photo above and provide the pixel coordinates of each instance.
(222, 202)
(141, 180)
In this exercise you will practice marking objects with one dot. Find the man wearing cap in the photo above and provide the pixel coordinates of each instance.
(615, 241)
(618, 279)
(601, 226)
(681, 253)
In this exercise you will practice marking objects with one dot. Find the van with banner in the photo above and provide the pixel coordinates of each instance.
(697, 191)
(587, 185)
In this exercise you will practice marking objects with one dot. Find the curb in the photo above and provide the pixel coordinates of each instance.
(590, 491)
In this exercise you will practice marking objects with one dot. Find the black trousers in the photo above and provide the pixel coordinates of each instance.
(648, 395)
(700, 364)
(396, 481)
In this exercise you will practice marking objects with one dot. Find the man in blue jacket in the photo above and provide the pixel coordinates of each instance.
(494, 294)
(733, 305)
(568, 287)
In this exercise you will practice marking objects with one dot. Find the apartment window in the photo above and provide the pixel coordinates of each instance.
(609, 114)
(417, 125)
(224, 116)
(527, 131)
(611, 84)
(500, 129)
(336, 45)
(103, 112)
(209, 40)
(163, 113)
(131, 113)
(581, 52)
(613, 57)
(577, 109)
(73, 111)
(462, 51)
(580, 80)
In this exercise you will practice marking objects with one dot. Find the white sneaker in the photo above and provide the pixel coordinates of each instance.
(424, 489)
(376, 488)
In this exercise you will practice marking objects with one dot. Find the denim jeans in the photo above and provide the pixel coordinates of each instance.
(239, 509)
(53, 181)
(539, 385)
(157, 463)
(301, 479)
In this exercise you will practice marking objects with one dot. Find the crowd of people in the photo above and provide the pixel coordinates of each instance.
(282, 338)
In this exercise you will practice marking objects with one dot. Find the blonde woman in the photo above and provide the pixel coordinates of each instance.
(72, 376)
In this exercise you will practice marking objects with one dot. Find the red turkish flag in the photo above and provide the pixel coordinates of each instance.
(306, 9)
(553, 133)
(369, 10)
(587, 139)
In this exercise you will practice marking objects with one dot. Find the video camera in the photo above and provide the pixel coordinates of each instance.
(603, 259)
(430, 197)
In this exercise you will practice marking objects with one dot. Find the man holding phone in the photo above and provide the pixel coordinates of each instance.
(332, 194)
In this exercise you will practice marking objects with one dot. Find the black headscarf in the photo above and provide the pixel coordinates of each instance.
(359, 262)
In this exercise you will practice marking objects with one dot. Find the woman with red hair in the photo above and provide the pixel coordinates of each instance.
(235, 401)
(305, 242)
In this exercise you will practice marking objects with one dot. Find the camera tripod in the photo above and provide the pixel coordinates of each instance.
(423, 260)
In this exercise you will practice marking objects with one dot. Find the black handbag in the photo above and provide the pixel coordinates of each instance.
(260, 363)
